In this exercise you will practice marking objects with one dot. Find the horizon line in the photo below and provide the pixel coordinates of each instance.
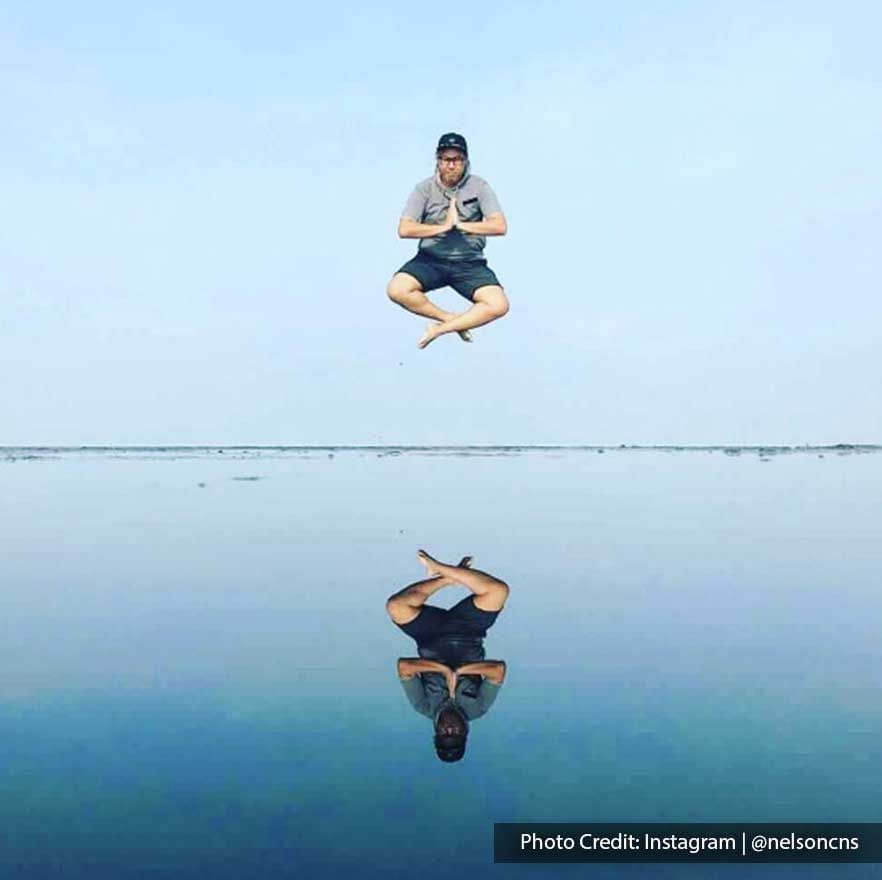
(154, 447)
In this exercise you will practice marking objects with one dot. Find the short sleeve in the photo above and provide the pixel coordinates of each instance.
(415, 207)
(488, 201)
(416, 694)
(487, 694)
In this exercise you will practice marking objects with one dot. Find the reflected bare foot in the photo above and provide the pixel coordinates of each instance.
(429, 563)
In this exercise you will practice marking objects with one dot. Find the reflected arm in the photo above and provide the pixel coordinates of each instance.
(492, 670)
(408, 667)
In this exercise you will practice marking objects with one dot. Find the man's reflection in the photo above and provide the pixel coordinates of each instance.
(450, 682)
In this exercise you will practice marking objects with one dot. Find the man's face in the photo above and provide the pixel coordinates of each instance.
(449, 723)
(451, 166)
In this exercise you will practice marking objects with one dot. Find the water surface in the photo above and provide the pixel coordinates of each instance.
(198, 675)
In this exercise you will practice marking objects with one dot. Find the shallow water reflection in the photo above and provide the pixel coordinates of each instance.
(198, 670)
(451, 682)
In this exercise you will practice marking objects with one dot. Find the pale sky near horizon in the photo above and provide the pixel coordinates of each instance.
(201, 202)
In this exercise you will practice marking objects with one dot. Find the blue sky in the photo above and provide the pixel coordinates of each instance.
(201, 207)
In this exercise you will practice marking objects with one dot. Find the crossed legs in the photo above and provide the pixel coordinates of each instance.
(406, 291)
(490, 303)
(490, 592)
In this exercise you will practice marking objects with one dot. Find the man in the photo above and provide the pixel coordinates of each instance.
(450, 682)
(451, 214)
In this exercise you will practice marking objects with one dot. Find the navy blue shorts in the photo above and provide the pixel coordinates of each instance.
(465, 621)
(464, 276)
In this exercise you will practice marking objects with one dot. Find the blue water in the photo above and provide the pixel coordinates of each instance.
(198, 676)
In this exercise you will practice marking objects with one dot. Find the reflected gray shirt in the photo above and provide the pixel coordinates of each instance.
(427, 693)
(428, 203)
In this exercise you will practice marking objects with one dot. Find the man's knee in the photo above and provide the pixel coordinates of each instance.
(493, 599)
(402, 288)
(502, 592)
(495, 298)
(400, 611)
(502, 307)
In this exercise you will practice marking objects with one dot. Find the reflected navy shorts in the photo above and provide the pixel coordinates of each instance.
(464, 620)
(464, 276)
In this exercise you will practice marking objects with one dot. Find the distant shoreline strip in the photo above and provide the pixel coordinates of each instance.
(18, 453)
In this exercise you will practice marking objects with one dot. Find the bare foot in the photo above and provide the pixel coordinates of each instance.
(430, 334)
(429, 563)
(464, 335)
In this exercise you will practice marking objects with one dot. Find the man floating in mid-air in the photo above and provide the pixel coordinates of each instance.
(451, 214)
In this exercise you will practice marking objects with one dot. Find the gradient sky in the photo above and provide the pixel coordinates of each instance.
(201, 201)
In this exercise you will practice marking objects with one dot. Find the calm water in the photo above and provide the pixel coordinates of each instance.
(198, 675)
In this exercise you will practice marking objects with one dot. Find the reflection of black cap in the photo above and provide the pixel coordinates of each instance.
(452, 141)
(450, 748)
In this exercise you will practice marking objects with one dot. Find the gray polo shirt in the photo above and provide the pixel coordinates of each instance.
(428, 203)
(427, 693)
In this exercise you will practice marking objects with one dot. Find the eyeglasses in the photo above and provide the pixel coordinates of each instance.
(451, 160)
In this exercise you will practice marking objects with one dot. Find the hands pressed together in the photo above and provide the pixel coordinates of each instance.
(441, 575)
(451, 221)
(415, 666)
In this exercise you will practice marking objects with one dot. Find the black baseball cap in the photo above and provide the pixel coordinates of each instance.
(452, 141)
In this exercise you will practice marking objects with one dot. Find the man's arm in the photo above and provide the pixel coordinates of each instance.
(494, 224)
(410, 228)
(492, 670)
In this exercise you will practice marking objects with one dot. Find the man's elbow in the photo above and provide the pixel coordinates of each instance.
(500, 226)
(405, 228)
